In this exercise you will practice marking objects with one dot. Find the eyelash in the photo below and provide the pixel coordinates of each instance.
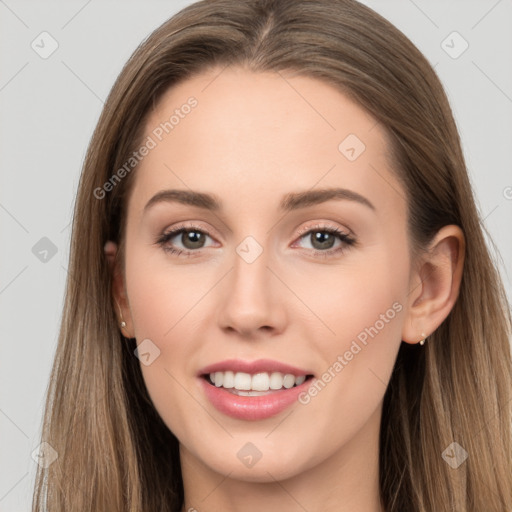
(347, 240)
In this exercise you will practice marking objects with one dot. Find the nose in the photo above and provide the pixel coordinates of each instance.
(252, 303)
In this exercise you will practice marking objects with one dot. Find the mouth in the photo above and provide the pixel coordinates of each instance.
(256, 384)
(253, 390)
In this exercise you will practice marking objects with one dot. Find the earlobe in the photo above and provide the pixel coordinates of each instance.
(110, 250)
(435, 285)
(119, 296)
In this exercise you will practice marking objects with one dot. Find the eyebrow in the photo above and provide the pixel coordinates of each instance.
(290, 202)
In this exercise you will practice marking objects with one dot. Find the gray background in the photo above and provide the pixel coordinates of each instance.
(49, 109)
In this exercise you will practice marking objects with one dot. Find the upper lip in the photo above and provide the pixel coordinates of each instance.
(257, 366)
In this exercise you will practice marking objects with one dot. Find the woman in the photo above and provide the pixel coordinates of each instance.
(280, 294)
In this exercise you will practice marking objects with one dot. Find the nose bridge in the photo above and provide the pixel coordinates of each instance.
(250, 276)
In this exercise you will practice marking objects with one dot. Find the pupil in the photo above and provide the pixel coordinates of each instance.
(192, 239)
(321, 236)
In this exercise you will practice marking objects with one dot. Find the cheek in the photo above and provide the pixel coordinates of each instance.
(359, 301)
(167, 309)
(363, 306)
(162, 294)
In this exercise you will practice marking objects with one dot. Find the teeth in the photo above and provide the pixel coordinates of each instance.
(258, 382)
(300, 380)
(228, 381)
(242, 381)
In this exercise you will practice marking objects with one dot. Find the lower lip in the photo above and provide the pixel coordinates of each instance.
(252, 407)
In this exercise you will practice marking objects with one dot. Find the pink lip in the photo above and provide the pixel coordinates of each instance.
(252, 407)
(260, 365)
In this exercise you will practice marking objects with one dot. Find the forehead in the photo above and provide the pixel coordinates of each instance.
(251, 135)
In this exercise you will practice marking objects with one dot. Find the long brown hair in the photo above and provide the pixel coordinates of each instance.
(114, 451)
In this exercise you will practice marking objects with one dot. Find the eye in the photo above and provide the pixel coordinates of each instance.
(323, 239)
(191, 237)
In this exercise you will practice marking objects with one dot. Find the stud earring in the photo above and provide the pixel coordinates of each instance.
(422, 342)
(123, 323)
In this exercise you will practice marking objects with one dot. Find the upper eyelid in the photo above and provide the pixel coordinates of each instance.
(302, 231)
(325, 227)
(175, 231)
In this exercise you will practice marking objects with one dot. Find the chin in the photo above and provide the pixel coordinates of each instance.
(265, 465)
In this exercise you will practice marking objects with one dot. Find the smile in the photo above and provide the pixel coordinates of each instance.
(245, 384)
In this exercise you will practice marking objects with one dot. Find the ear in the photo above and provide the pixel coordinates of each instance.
(121, 306)
(435, 284)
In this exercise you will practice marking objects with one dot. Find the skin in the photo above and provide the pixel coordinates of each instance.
(252, 139)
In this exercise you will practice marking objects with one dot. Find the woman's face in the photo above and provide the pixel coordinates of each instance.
(284, 269)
